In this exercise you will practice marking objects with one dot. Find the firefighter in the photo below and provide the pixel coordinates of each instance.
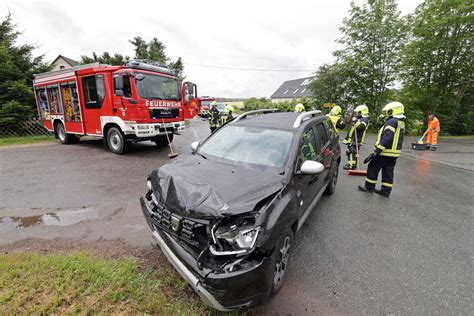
(360, 123)
(336, 118)
(387, 149)
(299, 108)
(227, 115)
(213, 117)
(432, 132)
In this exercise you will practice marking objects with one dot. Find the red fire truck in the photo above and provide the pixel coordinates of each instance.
(136, 102)
(204, 105)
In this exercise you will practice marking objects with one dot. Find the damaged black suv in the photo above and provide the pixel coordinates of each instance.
(225, 216)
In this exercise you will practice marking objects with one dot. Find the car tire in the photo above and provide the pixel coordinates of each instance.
(65, 138)
(332, 182)
(116, 141)
(162, 141)
(281, 259)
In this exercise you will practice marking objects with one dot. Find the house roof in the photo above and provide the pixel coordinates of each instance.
(70, 61)
(295, 88)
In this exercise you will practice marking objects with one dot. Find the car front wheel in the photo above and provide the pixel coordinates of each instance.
(332, 182)
(282, 256)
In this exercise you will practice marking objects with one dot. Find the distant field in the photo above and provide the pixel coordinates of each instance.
(236, 104)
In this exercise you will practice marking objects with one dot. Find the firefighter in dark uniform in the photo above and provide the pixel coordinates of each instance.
(387, 149)
(357, 130)
(213, 117)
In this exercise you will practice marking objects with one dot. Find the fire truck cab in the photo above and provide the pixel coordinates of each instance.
(204, 105)
(121, 104)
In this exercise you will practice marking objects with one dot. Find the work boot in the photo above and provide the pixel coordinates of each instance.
(346, 167)
(433, 148)
(382, 192)
(365, 189)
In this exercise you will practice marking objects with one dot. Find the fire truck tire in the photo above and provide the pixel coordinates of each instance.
(116, 141)
(64, 137)
(162, 141)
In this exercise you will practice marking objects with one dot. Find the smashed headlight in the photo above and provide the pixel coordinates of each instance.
(236, 238)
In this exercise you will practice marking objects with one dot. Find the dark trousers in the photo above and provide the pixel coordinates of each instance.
(387, 164)
(352, 155)
(213, 128)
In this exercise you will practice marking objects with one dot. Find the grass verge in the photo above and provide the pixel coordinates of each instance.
(32, 283)
(15, 140)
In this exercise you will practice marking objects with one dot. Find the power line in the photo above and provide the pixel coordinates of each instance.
(251, 69)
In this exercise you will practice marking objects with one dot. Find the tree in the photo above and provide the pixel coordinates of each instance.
(17, 66)
(330, 85)
(373, 37)
(105, 58)
(438, 63)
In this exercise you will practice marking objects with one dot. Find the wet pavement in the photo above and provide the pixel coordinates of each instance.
(357, 253)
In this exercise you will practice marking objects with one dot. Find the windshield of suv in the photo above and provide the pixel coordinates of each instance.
(249, 145)
(158, 88)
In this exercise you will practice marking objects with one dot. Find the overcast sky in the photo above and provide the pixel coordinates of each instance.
(240, 34)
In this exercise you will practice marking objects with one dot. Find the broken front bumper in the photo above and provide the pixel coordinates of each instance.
(223, 291)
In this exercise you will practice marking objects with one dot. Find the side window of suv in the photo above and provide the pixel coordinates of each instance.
(322, 137)
(307, 149)
(329, 128)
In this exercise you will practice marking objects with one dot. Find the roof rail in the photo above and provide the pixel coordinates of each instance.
(303, 116)
(262, 111)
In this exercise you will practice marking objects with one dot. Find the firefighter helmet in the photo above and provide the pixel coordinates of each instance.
(393, 109)
(213, 103)
(299, 108)
(361, 110)
(336, 110)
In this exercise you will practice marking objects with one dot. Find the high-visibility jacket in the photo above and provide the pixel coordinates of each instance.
(433, 126)
(213, 117)
(390, 138)
(337, 122)
(359, 128)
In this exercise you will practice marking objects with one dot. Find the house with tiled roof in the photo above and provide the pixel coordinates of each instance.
(292, 89)
(62, 62)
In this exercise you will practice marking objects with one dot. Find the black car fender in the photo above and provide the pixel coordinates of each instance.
(275, 218)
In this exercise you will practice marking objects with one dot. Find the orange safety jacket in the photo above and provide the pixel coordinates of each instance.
(433, 126)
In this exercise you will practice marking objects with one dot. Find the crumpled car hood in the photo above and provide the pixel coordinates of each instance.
(195, 187)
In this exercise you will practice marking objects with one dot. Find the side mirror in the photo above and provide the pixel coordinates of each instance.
(311, 167)
(195, 146)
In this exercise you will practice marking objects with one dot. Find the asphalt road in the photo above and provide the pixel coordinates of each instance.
(357, 254)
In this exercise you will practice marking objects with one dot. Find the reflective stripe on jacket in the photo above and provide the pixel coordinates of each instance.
(390, 138)
(360, 127)
(213, 117)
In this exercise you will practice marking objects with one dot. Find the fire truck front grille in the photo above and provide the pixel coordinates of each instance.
(187, 230)
(164, 113)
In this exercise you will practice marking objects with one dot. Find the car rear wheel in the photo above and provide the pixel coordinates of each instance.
(282, 256)
(116, 141)
(162, 141)
(332, 182)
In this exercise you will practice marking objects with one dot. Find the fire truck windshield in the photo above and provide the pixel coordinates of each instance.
(158, 87)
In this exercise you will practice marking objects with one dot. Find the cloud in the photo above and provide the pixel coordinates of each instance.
(246, 34)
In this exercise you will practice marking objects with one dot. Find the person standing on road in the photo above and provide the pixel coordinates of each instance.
(432, 132)
(336, 118)
(213, 117)
(356, 135)
(299, 108)
(387, 149)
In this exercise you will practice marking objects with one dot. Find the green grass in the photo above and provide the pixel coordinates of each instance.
(15, 140)
(33, 283)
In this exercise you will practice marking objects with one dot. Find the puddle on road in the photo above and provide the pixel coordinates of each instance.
(59, 218)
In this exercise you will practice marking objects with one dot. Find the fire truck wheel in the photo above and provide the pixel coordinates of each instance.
(162, 141)
(63, 137)
(116, 141)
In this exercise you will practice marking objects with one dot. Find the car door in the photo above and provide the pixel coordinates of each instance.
(305, 185)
